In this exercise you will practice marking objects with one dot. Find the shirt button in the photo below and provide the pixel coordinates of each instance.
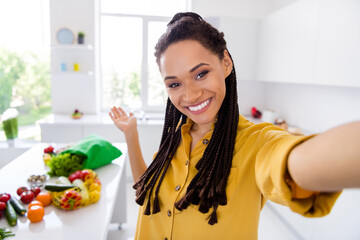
(205, 141)
(187, 162)
(169, 213)
(177, 188)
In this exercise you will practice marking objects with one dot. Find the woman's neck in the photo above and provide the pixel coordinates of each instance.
(197, 132)
(201, 129)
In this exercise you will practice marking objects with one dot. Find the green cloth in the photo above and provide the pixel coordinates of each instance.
(97, 151)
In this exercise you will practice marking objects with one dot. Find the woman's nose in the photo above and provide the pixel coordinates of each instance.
(192, 93)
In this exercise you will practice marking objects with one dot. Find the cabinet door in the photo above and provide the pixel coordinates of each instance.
(287, 44)
(338, 53)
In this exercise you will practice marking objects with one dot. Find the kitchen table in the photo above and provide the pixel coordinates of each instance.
(90, 222)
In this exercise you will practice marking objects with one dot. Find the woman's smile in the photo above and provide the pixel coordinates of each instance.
(200, 108)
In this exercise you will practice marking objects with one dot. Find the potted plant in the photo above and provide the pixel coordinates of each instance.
(81, 38)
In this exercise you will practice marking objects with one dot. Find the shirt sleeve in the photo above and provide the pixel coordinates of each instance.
(274, 181)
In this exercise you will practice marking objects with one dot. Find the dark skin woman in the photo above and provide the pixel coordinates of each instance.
(214, 169)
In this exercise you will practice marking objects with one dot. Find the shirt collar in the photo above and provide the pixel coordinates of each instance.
(188, 124)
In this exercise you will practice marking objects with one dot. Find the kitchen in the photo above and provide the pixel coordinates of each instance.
(311, 57)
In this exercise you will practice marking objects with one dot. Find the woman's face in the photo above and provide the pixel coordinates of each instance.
(195, 79)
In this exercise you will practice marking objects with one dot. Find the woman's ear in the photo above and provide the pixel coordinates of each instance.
(227, 63)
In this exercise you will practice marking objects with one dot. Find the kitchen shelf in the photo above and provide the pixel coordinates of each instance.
(72, 47)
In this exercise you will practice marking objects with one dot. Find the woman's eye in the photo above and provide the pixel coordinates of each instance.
(202, 74)
(174, 85)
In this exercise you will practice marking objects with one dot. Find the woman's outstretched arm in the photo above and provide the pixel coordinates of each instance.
(128, 125)
(329, 161)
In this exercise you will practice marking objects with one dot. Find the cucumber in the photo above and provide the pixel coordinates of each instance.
(10, 214)
(57, 187)
(17, 205)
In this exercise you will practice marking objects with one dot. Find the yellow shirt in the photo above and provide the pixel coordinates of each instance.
(258, 173)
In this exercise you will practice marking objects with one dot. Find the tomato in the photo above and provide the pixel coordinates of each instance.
(2, 206)
(36, 190)
(84, 173)
(20, 190)
(4, 197)
(49, 149)
(75, 175)
(27, 196)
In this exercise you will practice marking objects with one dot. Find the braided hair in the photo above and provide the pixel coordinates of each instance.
(207, 188)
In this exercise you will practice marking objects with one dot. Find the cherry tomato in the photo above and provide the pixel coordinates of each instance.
(49, 149)
(36, 190)
(27, 196)
(4, 197)
(2, 206)
(75, 175)
(20, 190)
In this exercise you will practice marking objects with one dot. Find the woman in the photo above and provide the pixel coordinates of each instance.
(214, 169)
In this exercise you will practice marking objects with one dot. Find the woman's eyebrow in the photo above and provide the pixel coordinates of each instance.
(191, 70)
(197, 66)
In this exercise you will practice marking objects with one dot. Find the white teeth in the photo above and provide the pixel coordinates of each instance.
(200, 106)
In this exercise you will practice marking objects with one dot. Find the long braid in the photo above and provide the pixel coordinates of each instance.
(170, 140)
(208, 187)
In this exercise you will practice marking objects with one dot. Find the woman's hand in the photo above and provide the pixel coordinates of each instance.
(125, 123)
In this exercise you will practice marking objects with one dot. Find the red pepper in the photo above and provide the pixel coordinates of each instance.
(71, 200)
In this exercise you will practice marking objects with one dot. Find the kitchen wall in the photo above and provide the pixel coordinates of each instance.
(311, 107)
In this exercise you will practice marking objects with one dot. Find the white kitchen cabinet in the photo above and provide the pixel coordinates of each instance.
(338, 51)
(287, 43)
(311, 41)
(74, 88)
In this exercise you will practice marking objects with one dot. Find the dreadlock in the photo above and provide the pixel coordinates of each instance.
(207, 188)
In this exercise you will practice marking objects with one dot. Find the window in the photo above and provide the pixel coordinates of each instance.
(128, 34)
(25, 63)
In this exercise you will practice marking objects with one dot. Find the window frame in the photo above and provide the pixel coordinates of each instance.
(146, 19)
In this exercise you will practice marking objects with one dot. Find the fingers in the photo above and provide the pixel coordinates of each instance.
(117, 112)
(111, 116)
(123, 113)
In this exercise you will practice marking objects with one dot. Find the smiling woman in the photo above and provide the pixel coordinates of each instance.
(216, 161)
